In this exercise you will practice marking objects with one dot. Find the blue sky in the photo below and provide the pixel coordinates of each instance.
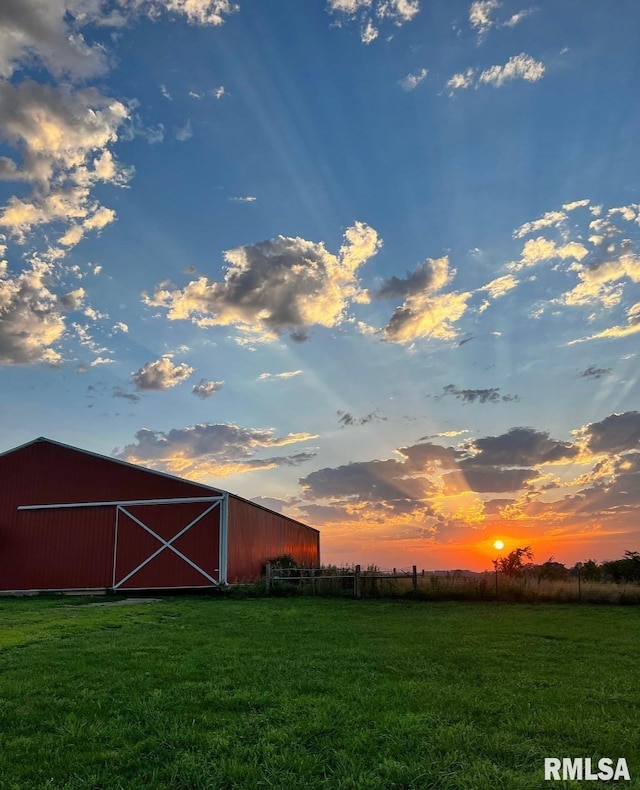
(372, 262)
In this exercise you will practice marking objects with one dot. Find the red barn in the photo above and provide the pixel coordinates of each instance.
(74, 520)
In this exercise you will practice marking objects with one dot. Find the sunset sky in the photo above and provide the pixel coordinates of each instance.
(373, 263)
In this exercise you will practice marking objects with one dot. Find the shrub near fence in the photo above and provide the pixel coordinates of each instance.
(422, 585)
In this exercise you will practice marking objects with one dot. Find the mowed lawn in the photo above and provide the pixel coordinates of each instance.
(312, 693)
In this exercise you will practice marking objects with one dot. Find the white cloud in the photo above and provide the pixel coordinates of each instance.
(211, 450)
(461, 81)
(121, 327)
(31, 320)
(160, 375)
(551, 219)
(411, 81)
(540, 249)
(247, 199)
(218, 92)
(396, 11)
(51, 31)
(101, 361)
(184, 132)
(516, 18)
(575, 204)
(481, 15)
(288, 374)
(348, 6)
(425, 313)
(62, 137)
(500, 286)
(369, 32)
(632, 327)
(600, 283)
(284, 284)
(520, 66)
(205, 389)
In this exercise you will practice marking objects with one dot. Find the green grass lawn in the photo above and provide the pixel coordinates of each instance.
(312, 693)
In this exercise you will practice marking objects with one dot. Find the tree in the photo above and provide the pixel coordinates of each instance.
(514, 564)
(554, 571)
(590, 571)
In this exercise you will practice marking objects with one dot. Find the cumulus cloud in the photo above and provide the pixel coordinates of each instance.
(424, 312)
(540, 250)
(160, 375)
(519, 447)
(284, 284)
(598, 281)
(63, 139)
(211, 450)
(551, 219)
(500, 286)
(617, 433)
(31, 320)
(365, 11)
(481, 15)
(461, 81)
(575, 204)
(411, 81)
(432, 275)
(51, 32)
(518, 67)
(205, 389)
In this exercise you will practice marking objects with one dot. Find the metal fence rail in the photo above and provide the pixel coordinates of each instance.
(311, 575)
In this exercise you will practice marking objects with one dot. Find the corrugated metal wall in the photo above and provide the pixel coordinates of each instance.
(73, 548)
(45, 473)
(256, 534)
(58, 549)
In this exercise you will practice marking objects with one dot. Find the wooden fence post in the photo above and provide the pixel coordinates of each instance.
(267, 578)
(357, 589)
(415, 579)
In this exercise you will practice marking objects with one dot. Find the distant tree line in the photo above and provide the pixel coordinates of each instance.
(519, 563)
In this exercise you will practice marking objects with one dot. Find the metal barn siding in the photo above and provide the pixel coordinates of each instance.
(45, 552)
(75, 548)
(47, 473)
(256, 534)
(74, 520)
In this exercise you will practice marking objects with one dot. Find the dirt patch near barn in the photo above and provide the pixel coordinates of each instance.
(124, 602)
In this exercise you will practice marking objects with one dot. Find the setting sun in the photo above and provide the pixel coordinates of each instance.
(499, 545)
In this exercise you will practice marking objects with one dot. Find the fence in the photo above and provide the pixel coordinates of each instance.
(454, 585)
(313, 576)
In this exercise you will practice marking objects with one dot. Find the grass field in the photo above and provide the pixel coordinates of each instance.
(312, 693)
